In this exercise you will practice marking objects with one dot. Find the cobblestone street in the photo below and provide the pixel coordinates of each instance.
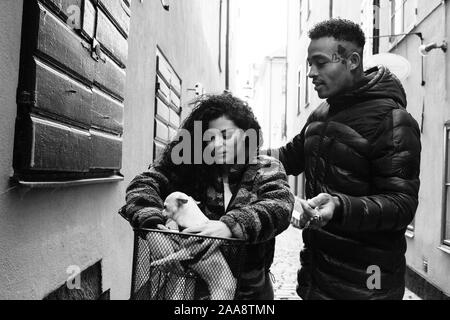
(286, 264)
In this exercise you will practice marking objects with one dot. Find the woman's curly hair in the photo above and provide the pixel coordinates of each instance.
(193, 178)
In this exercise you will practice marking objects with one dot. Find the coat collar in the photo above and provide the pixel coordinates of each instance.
(377, 83)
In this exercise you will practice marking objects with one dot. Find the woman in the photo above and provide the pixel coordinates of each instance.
(244, 195)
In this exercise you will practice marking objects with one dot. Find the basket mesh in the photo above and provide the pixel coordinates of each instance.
(174, 266)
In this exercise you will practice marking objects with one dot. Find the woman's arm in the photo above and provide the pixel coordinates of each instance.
(270, 213)
(144, 199)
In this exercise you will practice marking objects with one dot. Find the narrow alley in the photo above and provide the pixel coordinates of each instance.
(108, 105)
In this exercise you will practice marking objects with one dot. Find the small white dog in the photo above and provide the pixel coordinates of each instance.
(212, 267)
(183, 209)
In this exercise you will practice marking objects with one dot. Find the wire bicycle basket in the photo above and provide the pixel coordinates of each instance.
(169, 265)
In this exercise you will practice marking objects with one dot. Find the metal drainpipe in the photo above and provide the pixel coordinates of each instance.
(220, 34)
(376, 27)
(286, 78)
(331, 9)
(227, 50)
(446, 38)
(270, 105)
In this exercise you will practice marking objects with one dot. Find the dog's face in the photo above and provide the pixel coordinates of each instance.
(173, 203)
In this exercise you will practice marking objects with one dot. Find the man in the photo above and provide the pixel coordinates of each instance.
(360, 152)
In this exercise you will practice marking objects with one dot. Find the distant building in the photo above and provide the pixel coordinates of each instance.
(89, 97)
(269, 102)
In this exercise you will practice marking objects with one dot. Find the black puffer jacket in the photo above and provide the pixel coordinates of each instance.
(364, 148)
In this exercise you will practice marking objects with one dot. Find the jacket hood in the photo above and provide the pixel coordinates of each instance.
(378, 83)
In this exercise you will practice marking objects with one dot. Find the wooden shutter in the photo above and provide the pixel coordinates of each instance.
(167, 104)
(71, 89)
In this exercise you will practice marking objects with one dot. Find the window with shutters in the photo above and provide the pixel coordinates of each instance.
(167, 104)
(71, 90)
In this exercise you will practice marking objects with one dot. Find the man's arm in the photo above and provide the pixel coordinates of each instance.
(395, 168)
(144, 199)
(292, 155)
(270, 213)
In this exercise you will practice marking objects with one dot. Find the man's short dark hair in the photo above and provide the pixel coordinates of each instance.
(341, 30)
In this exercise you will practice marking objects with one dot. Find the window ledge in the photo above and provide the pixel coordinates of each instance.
(409, 234)
(400, 39)
(68, 183)
(444, 248)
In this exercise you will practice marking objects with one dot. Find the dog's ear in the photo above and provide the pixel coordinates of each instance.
(180, 202)
(197, 202)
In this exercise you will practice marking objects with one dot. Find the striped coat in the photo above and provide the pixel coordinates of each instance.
(260, 210)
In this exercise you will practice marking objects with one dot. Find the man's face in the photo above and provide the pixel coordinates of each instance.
(329, 69)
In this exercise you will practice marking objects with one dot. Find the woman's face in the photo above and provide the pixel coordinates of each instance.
(225, 141)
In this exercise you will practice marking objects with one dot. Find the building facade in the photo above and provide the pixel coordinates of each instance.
(269, 100)
(90, 92)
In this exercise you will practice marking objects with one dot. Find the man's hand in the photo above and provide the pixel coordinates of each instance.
(308, 215)
(320, 210)
(212, 228)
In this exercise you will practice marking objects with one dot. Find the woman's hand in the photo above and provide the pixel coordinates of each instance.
(212, 228)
